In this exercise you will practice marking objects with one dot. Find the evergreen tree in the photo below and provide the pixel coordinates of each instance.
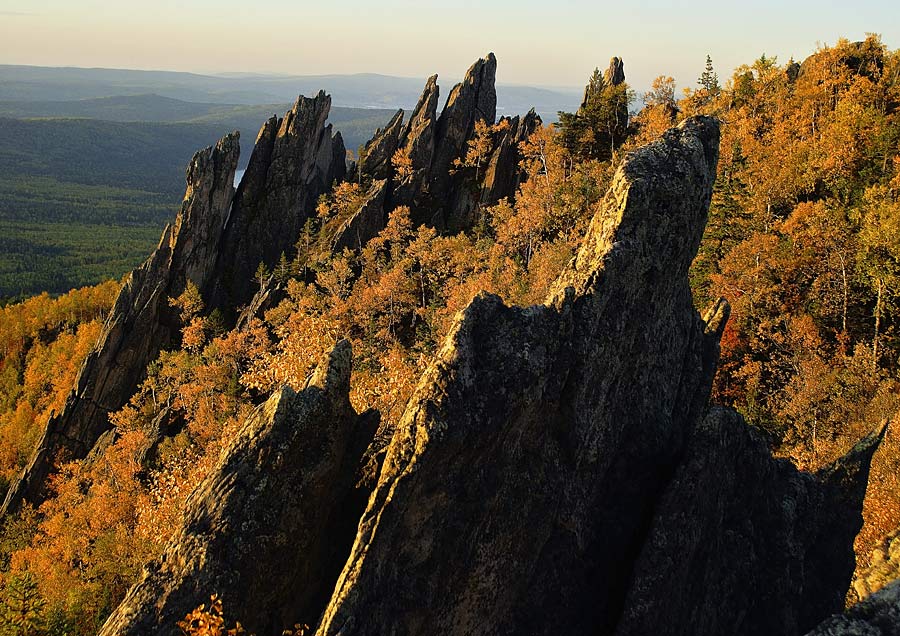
(709, 81)
(600, 125)
(22, 608)
(261, 275)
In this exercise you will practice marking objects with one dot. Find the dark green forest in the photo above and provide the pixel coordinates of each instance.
(84, 200)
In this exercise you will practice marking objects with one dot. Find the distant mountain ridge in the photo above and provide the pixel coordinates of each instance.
(362, 90)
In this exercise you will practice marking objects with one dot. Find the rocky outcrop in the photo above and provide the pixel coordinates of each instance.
(272, 292)
(437, 193)
(615, 74)
(865, 58)
(296, 159)
(503, 175)
(744, 544)
(366, 223)
(473, 99)
(217, 241)
(141, 321)
(271, 526)
(417, 143)
(538, 480)
(375, 159)
(877, 615)
(534, 448)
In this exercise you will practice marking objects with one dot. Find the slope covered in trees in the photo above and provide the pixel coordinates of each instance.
(801, 240)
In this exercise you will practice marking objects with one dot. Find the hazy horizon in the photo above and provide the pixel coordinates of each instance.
(285, 75)
(535, 46)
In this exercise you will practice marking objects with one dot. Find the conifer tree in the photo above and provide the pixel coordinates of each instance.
(601, 124)
(709, 81)
(22, 608)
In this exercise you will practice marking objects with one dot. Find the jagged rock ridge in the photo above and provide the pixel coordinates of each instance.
(141, 321)
(436, 193)
(538, 480)
(269, 529)
(295, 160)
(217, 241)
(542, 460)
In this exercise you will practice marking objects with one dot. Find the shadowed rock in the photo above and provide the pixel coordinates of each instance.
(473, 99)
(533, 449)
(375, 161)
(877, 615)
(503, 174)
(744, 544)
(538, 480)
(615, 74)
(217, 242)
(295, 160)
(435, 191)
(417, 143)
(141, 321)
(366, 223)
(269, 529)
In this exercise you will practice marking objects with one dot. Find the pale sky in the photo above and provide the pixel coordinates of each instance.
(555, 43)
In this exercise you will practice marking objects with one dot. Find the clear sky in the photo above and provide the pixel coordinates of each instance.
(550, 42)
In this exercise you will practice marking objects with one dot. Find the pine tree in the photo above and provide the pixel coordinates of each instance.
(709, 81)
(284, 268)
(261, 275)
(21, 607)
(601, 124)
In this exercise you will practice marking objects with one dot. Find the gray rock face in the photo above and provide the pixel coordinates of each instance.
(473, 99)
(503, 175)
(368, 221)
(744, 544)
(534, 448)
(267, 297)
(615, 74)
(436, 193)
(555, 471)
(270, 528)
(877, 615)
(217, 242)
(417, 142)
(141, 321)
(296, 159)
(375, 161)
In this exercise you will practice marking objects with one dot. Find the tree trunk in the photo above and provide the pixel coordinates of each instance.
(846, 293)
(877, 324)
